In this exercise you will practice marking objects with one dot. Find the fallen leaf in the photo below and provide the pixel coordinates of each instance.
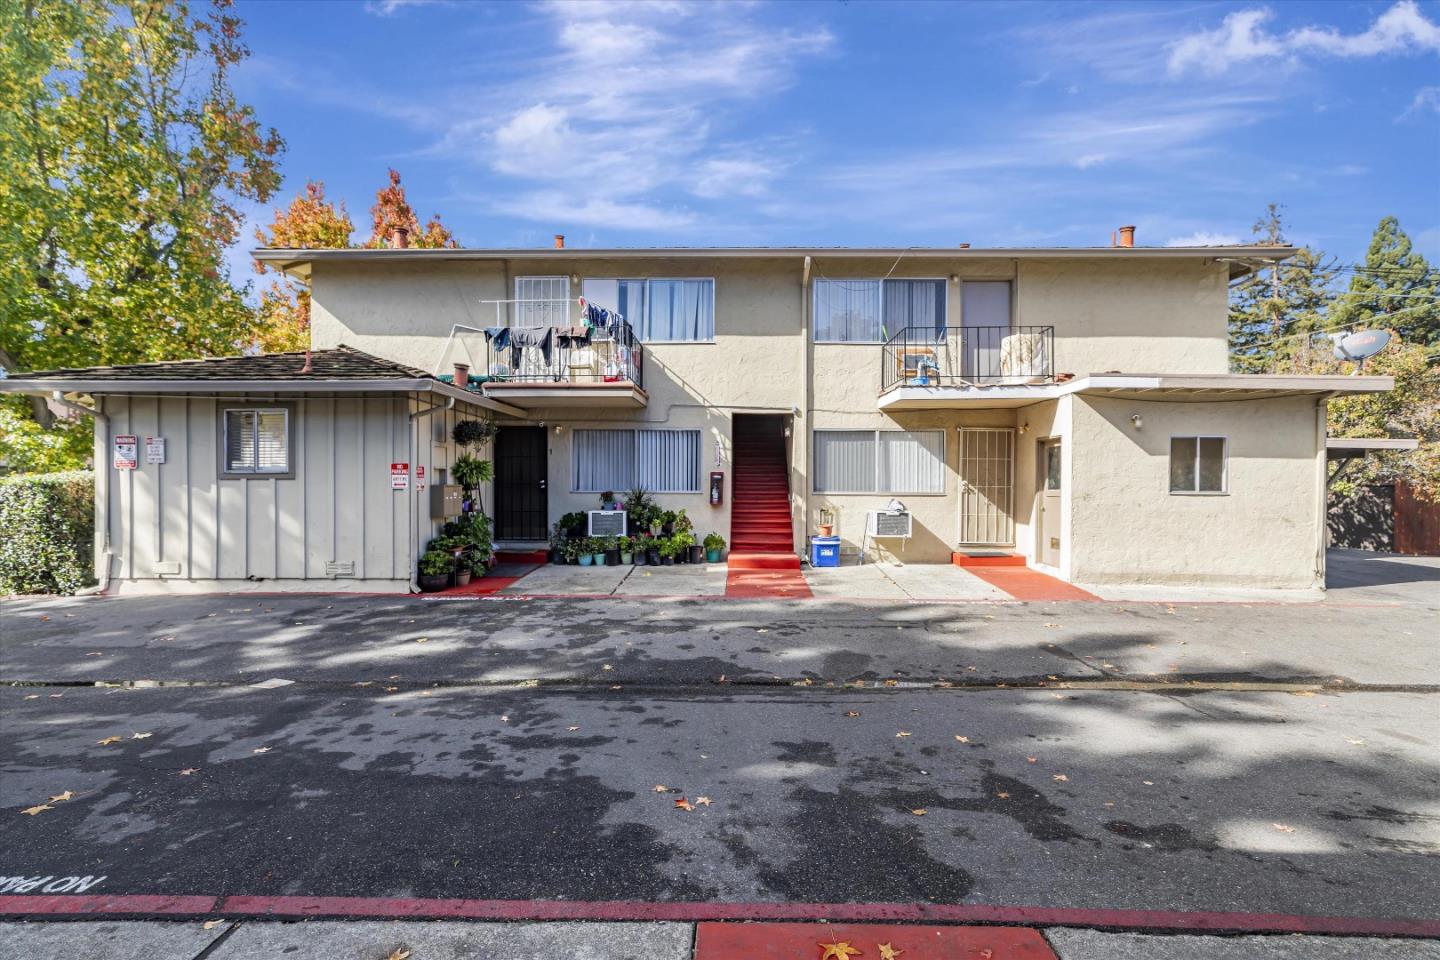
(189, 770)
(32, 811)
(962, 739)
(62, 796)
(702, 801)
(504, 718)
(572, 729)
(661, 788)
(95, 653)
(261, 750)
(399, 953)
(1060, 776)
(107, 741)
(888, 952)
(141, 736)
(391, 689)
(56, 696)
(972, 669)
(1032, 759)
(33, 696)
(1357, 741)
(1283, 827)
(839, 950)
(211, 924)
(903, 733)
(1052, 624)
(422, 639)
(606, 666)
(1002, 795)
(762, 630)
(1148, 783)
(364, 683)
(684, 804)
(891, 683)
(918, 811)
(852, 713)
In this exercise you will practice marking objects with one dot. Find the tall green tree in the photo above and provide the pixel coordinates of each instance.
(1272, 310)
(124, 158)
(1396, 288)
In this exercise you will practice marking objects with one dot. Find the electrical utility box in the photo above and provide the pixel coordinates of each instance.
(446, 500)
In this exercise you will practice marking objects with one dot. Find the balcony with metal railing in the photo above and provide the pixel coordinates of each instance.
(926, 368)
(547, 353)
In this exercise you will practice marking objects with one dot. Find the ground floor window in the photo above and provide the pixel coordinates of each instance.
(879, 461)
(660, 461)
(1197, 465)
(256, 441)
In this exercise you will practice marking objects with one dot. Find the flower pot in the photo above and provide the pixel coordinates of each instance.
(667, 561)
(697, 554)
(430, 582)
(666, 529)
(827, 529)
(626, 558)
(598, 559)
(586, 559)
(462, 577)
(612, 558)
(641, 557)
(557, 556)
(653, 556)
(712, 556)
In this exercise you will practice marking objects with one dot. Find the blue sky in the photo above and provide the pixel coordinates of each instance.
(634, 124)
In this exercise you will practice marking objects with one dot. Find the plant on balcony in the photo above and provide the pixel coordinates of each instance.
(714, 543)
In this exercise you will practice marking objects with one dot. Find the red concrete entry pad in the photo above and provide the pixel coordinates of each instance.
(851, 941)
(1022, 583)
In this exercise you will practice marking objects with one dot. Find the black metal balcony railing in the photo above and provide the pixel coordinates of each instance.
(968, 356)
(604, 359)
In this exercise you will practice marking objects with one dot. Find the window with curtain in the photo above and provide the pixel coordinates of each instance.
(659, 310)
(257, 441)
(661, 461)
(553, 314)
(1197, 465)
(879, 461)
(873, 311)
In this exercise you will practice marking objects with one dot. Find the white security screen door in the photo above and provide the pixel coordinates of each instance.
(987, 486)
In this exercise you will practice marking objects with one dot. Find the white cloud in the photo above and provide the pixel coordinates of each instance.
(1204, 238)
(732, 177)
(1242, 38)
(1427, 100)
(388, 8)
(1089, 160)
(563, 208)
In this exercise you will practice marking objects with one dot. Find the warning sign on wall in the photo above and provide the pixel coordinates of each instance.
(419, 477)
(154, 449)
(399, 476)
(126, 453)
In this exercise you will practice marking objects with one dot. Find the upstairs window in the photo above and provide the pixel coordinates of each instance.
(873, 311)
(256, 441)
(660, 311)
(1198, 464)
(543, 302)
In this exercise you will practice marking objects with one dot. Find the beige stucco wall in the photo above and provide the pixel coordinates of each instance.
(1126, 527)
(269, 533)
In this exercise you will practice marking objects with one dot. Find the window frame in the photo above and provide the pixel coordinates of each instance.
(1224, 490)
(699, 456)
(513, 316)
(877, 492)
(636, 325)
(944, 305)
(222, 423)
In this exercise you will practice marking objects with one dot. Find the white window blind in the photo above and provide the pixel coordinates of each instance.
(257, 441)
(552, 314)
(873, 311)
(660, 461)
(1197, 465)
(659, 310)
(879, 461)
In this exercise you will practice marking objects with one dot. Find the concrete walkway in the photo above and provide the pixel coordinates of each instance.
(424, 940)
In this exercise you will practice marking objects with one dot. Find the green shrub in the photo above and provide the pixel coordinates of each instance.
(48, 521)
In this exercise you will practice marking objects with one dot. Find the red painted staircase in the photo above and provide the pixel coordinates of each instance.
(760, 508)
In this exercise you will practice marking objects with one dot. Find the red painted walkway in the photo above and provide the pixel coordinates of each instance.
(495, 581)
(1022, 583)
(750, 584)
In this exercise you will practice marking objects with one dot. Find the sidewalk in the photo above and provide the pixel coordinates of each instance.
(420, 940)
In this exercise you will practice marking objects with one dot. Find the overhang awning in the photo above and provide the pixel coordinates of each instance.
(1349, 448)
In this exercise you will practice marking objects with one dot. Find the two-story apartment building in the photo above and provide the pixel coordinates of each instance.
(1071, 406)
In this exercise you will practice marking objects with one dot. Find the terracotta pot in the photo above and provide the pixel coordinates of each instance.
(827, 529)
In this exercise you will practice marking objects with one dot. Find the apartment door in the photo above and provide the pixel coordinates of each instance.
(987, 486)
(1050, 493)
(522, 505)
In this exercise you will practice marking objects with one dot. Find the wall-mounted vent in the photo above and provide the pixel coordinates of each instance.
(340, 568)
(163, 568)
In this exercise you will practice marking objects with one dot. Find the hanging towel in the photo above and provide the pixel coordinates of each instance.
(574, 336)
(521, 337)
(499, 337)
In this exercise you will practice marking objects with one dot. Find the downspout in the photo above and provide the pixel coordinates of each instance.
(102, 493)
(807, 392)
(412, 525)
(1322, 488)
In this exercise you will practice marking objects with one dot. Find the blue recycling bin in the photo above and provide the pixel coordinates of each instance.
(824, 551)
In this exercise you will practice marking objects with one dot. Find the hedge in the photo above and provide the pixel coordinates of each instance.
(47, 532)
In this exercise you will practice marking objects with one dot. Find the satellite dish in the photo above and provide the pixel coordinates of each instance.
(1359, 345)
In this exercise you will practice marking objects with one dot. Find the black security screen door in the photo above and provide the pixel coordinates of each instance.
(521, 506)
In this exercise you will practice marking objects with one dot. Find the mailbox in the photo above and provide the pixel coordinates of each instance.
(446, 500)
(717, 488)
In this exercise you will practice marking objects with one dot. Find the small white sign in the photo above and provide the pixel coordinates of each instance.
(126, 452)
(154, 449)
(419, 477)
(399, 476)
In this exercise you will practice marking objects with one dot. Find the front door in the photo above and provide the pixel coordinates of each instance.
(987, 490)
(1051, 476)
(521, 506)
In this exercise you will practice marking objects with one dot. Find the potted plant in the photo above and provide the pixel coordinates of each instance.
(597, 550)
(607, 500)
(463, 568)
(611, 547)
(827, 522)
(714, 543)
(582, 547)
(683, 523)
(470, 472)
(668, 549)
(686, 549)
(435, 567)
(574, 525)
(652, 551)
(640, 546)
(470, 433)
(557, 543)
(479, 566)
(571, 551)
(667, 522)
(626, 546)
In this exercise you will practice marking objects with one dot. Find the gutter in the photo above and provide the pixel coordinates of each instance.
(411, 523)
(104, 554)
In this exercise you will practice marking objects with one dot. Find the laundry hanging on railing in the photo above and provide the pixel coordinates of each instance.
(574, 336)
(607, 320)
(522, 337)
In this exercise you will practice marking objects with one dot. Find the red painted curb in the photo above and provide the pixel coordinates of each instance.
(79, 904)
(786, 941)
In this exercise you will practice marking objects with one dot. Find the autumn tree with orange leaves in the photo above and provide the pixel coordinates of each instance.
(310, 222)
(392, 211)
